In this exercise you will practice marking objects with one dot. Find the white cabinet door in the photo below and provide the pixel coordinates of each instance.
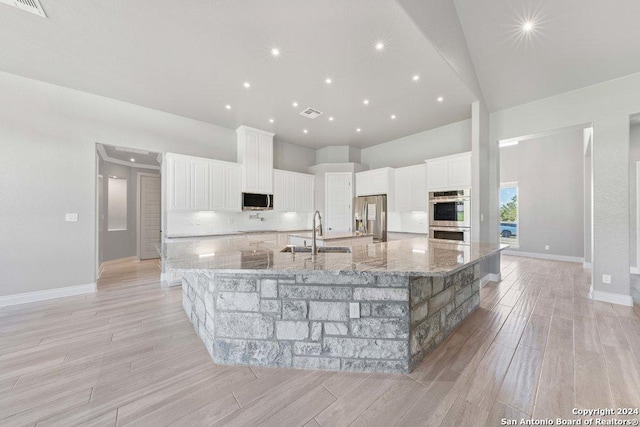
(460, 172)
(420, 196)
(265, 164)
(301, 204)
(251, 163)
(404, 190)
(379, 181)
(217, 187)
(233, 187)
(310, 193)
(278, 191)
(290, 193)
(200, 184)
(179, 183)
(438, 174)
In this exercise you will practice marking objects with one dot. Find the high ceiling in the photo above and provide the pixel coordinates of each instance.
(573, 44)
(192, 58)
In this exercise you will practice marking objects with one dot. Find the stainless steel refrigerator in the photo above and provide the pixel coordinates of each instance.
(370, 216)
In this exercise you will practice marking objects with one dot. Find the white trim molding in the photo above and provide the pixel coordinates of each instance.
(610, 297)
(634, 270)
(8, 300)
(544, 256)
(490, 277)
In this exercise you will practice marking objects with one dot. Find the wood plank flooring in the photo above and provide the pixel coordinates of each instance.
(127, 355)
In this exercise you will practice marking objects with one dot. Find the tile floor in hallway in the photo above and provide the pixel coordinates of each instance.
(127, 355)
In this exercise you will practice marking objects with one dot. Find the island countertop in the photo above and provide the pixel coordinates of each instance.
(331, 235)
(409, 257)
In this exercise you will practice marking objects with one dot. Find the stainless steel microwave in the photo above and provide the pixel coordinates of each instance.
(450, 208)
(257, 202)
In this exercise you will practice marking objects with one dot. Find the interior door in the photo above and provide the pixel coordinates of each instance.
(149, 216)
(338, 198)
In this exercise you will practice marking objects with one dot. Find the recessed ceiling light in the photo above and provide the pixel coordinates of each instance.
(365, 102)
(379, 46)
(270, 120)
(295, 104)
(132, 159)
(440, 99)
(246, 85)
(393, 117)
(416, 77)
(527, 26)
(328, 80)
(358, 130)
(331, 118)
(228, 107)
(275, 51)
(305, 131)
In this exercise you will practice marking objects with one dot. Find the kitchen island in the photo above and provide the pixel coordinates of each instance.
(380, 308)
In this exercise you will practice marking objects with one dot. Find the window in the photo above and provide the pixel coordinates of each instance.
(509, 214)
(117, 204)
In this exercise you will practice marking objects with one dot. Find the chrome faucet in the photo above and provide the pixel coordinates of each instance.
(316, 228)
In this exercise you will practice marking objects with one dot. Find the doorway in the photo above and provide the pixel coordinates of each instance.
(338, 200)
(128, 204)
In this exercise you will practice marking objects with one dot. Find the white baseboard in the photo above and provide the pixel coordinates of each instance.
(544, 256)
(490, 277)
(587, 265)
(8, 300)
(170, 279)
(610, 297)
(634, 270)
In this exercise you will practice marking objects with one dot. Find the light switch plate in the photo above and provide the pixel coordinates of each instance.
(354, 310)
(71, 217)
(606, 278)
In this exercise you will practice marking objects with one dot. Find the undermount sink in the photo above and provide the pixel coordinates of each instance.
(321, 250)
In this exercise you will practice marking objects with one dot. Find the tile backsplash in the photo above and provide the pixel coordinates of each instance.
(204, 223)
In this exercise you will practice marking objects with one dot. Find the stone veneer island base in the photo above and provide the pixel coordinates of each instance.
(303, 320)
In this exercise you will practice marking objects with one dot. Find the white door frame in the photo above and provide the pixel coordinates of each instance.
(637, 269)
(99, 180)
(326, 194)
(138, 192)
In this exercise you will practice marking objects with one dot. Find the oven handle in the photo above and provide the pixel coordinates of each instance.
(464, 230)
(453, 199)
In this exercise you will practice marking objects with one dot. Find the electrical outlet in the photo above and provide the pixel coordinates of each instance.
(546, 247)
(606, 278)
(71, 217)
(354, 310)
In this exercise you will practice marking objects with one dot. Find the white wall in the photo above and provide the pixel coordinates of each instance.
(48, 168)
(291, 157)
(338, 154)
(414, 149)
(550, 176)
(608, 106)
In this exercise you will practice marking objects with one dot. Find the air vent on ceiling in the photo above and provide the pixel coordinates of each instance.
(311, 113)
(32, 6)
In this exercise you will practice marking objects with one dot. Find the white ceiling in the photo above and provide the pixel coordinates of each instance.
(191, 58)
(575, 43)
(124, 155)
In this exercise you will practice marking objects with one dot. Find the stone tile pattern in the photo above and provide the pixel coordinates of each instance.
(438, 306)
(302, 320)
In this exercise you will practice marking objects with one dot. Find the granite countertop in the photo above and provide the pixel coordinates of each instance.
(411, 257)
(332, 235)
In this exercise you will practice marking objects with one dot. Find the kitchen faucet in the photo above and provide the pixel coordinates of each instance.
(314, 246)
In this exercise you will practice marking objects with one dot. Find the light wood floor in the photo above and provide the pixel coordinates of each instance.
(537, 347)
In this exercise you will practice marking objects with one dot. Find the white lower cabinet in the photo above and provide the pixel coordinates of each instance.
(292, 191)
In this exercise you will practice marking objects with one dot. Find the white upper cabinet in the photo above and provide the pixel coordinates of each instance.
(292, 192)
(449, 173)
(376, 181)
(255, 155)
(198, 184)
(411, 189)
(178, 169)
